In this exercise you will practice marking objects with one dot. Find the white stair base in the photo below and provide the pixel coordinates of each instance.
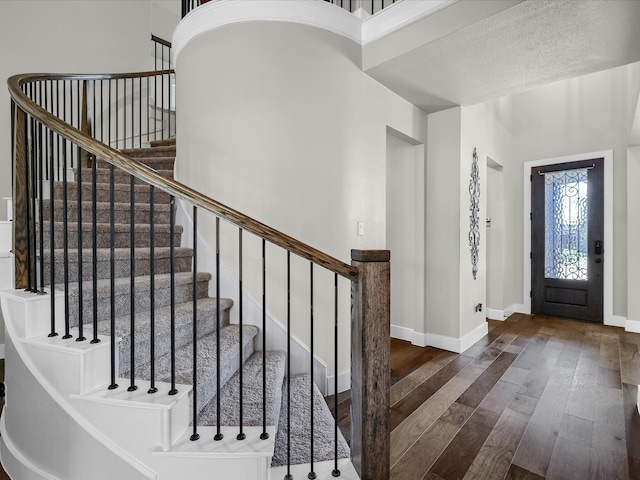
(34, 312)
(323, 470)
(58, 360)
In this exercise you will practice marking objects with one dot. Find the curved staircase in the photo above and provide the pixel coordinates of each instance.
(154, 313)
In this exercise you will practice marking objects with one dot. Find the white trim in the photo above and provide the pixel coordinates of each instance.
(220, 13)
(401, 333)
(473, 336)
(397, 16)
(632, 326)
(609, 318)
(2, 350)
(344, 383)
(494, 314)
(515, 308)
(317, 13)
(13, 459)
(617, 321)
(451, 344)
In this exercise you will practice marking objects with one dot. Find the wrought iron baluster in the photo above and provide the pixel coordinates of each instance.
(264, 435)
(172, 263)
(52, 267)
(218, 436)
(152, 290)
(112, 262)
(288, 476)
(94, 244)
(241, 434)
(132, 288)
(312, 473)
(81, 336)
(195, 436)
(336, 470)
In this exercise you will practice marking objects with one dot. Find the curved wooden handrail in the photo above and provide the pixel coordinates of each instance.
(149, 175)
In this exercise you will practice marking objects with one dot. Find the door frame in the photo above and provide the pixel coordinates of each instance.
(607, 294)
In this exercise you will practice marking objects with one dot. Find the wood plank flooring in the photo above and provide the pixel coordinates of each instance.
(537, 398)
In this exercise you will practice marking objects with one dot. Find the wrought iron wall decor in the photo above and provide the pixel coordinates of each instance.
(474, 231)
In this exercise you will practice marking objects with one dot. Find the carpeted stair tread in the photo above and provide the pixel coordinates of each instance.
(156, 162)
(121, 192)
(122, 262)
(122, 235)
(163, 142)
(146, 152)
(121, 210)
(183, 293)
(251, 393)
(206, 322)
(324, 447)
(103, 175)
(206, 351)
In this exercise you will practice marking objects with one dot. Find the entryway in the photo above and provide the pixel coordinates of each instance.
(567, 239)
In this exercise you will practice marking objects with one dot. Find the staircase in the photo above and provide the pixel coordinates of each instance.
(152, 269)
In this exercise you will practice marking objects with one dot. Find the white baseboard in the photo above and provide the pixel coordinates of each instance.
(616, 321)
(494, 314)
(2, 350)
(632, 326)
(344, 383)
(443, 342)
(515, 308)
(401, 333)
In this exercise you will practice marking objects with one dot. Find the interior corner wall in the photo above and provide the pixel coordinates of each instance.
(633, 233)
(98, 36)
(443, 208)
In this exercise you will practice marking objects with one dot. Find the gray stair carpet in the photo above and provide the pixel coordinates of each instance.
(323, 426)
(233, 340)
(251, 394)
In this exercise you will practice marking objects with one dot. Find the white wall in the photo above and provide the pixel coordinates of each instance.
(633, 233)
(278, 121)
(442, 257)
(405, 234)
(585, 114)
(96, 36)
(495, 235)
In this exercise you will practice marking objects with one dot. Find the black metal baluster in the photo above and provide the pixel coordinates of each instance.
(41, 176)
(132, 286)
(112, 261)
(140, 111)
(81, 336)
(195, 436)
(172, 264)
(124, 113)
(218, 436)
(311, 474)
(52, 267)
(241, 434)
(133, 128)
(117, 114)
(152, 288)
(162, 93)
(336, 470)
(94, 244)
(65, 230)
(264, 434)
(288, 476)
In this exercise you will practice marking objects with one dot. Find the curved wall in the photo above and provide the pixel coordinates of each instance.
(278, 121)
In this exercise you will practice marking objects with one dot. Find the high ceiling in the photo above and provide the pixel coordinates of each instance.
(528, 45)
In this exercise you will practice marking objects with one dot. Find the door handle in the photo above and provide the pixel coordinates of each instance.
(598, 247)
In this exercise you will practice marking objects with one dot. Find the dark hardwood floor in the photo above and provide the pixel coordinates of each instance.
(537, 398)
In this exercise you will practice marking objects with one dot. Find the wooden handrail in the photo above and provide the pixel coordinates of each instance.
(161, 41)
(149, 175)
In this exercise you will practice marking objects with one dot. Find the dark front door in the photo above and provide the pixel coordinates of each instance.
(567, 232)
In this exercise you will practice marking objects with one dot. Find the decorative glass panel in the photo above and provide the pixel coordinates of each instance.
(566, 224)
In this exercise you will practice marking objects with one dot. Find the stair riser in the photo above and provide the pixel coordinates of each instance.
(121, 195)
(120, 178)
(122, 268)
(206, 323)
(122, 239)
(121, 214)
(157, 163)
(163, 142)
(183, 293)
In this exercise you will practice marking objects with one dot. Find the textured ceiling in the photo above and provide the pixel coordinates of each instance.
(529, 45)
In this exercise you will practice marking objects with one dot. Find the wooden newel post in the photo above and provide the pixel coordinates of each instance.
(370, 364)
(20, 199)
